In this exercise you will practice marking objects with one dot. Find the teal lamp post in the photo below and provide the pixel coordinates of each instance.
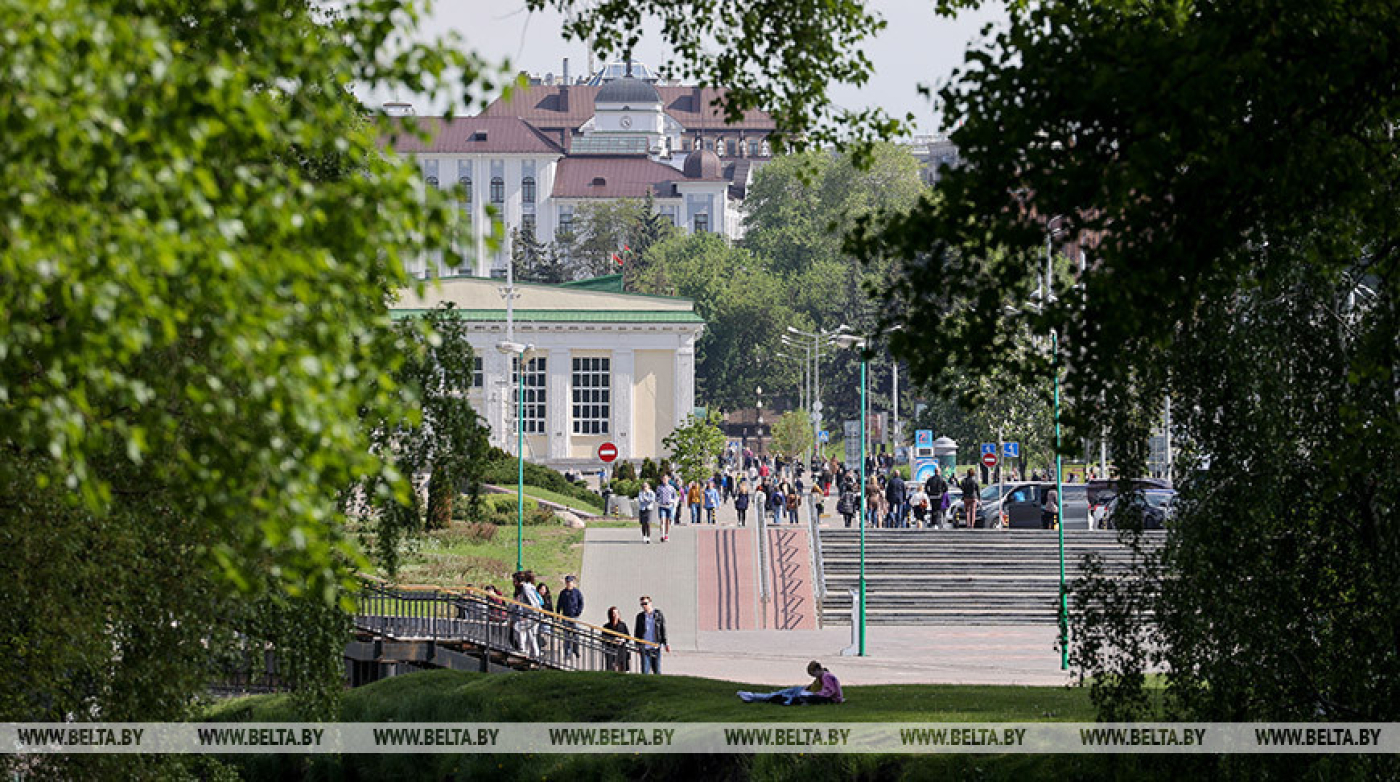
(519, 351)
(851, 341)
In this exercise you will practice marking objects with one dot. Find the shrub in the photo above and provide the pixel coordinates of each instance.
(650, 472)
(625, 488)
(503, 472)
(625, 472)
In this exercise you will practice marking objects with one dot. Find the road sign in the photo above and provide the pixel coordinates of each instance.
(607, 452)
(851, 436)
(989, 459)
(1010, 450)
(825, 436)
(989, 448)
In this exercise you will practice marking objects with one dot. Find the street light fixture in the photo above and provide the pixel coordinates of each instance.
(852, 341)
(519, 351)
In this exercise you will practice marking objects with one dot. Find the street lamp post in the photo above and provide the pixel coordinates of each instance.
(1059, 473)
(519, 351)
(847, 341)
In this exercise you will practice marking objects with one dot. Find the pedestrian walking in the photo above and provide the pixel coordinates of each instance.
(646, 501)
(571, 605)
(711, 501)
(937, 490)
(894, 496)
(775, 503)
(527, 626)
(741, 501)
(692, 498)
(616, 648)
(1050, 511)
(971, 494)
(665, 506)
(650, 625)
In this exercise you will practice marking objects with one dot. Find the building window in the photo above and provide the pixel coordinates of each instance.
(466, 183)
(566, 222)
(527, 190)
(433, 182)
(533, 416)
(702, 223)
(685, 145)
(753, 148)
(527, 224)
(478, 373)
(592, 395)
(710, 144)
(498, 190)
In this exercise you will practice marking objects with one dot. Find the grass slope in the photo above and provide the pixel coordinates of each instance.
(450, 696)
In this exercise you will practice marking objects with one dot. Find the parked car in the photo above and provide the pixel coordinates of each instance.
(1102, 492)
(1153, 506)
(1018, 505)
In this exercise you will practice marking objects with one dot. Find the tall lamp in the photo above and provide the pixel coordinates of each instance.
(852, 341)
(519, 351)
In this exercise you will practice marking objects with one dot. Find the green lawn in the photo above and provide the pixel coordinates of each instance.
(558, 696)
(572, 502)
(546, 696)
(453, 558)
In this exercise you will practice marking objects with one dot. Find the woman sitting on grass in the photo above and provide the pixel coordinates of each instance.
(824, 689)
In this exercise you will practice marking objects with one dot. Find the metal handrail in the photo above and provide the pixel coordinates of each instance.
(493, 623)
(818, 565)
(765, 590)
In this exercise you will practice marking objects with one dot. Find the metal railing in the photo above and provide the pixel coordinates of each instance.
(494, 625)
(818, 566)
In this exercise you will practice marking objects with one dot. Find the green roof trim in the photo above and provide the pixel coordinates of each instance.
(428, 282)
(610, 283)
(560, 316)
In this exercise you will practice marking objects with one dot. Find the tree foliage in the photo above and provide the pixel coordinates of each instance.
(792, 434)
(200, 235)
(695, 446)
(1230, 170)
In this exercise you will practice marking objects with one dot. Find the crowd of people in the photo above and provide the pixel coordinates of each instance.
(772, 490)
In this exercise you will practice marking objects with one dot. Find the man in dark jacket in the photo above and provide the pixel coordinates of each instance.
(651, 626)
(935, 487)
(894, 495)
(570, 605)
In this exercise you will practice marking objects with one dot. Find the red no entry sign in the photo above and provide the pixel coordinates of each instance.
(607, 452)
(989, 459)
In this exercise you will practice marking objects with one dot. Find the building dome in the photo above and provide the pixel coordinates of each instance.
(703, 164)
(628, 90)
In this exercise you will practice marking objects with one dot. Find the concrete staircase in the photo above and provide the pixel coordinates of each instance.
(958, 577)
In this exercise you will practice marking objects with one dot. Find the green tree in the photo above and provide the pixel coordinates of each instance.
(745, 311)
(792, 434)
(446, 441)
(694, 446)
(797, 215)
(1232, 185)
(200, 239)
(536, 261)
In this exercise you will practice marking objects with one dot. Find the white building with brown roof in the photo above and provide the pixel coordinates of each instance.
(531, 160)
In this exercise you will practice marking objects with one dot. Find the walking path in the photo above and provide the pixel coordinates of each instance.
(717, 631)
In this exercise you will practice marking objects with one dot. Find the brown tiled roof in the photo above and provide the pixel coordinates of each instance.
(553, 107)
(474, 134)
(629, 177)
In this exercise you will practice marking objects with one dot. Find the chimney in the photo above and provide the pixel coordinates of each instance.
(695, 104)
(564, 89)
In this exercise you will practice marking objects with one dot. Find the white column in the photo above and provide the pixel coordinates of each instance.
(624, 366)
(495, 365)
(558, 400)
(685, 379)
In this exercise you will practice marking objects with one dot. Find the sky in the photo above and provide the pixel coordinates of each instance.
(916, 47)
